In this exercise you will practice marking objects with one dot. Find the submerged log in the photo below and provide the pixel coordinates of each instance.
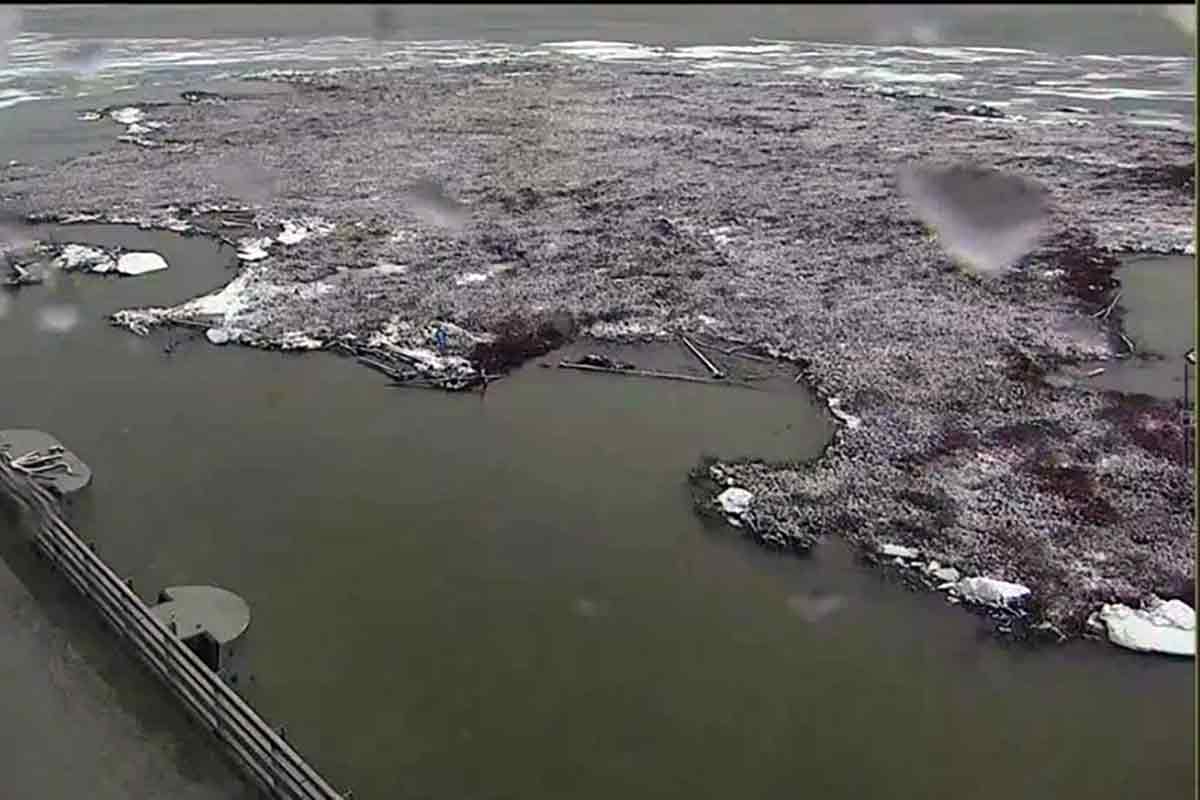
(710, 366)
(641, 373)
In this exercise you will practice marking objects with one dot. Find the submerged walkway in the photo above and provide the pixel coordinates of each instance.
(257, 748)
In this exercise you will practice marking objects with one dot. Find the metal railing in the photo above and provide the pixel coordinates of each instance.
(261, 751)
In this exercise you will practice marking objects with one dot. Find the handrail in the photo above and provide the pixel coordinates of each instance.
(261, 751)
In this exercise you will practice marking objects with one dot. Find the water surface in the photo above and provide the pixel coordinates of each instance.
(510, 596)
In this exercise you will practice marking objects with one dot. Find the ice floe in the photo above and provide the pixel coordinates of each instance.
(1161, 627)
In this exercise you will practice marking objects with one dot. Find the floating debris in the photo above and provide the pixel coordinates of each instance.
(594, 360)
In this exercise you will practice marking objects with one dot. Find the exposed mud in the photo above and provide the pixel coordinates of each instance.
(636, 205)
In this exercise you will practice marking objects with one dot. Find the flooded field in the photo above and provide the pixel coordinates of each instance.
(510, 595)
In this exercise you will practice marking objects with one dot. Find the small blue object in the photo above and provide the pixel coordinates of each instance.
(439, 338)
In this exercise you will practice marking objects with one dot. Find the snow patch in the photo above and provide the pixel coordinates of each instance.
(85, 258)
(735, 501)
(990, 591)
(140, 263)
(296, 231)
(1162, 627)
(468, 278)
(898, 551)
(298, 340)
(253, 249)
(219, 336)
(128, 115)
(849, 420)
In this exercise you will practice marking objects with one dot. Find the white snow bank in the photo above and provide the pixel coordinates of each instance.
(83, 257)
(468, 278)
(990, 591)
(220, 336)
(127, 116)
(297, 340)
(735, 501)
(849, 420)
(898, 551)
(385, 269)
(253, 249)
(1168, 627)
(427, 360)
(140, 263)
(296, 231)
(226, 301)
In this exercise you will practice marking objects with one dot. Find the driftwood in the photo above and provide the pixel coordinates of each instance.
(711, 367)
(21, 277)
(642, 373)
(1104, 312)
(736, 351)
(1128, 343)
(386, 369)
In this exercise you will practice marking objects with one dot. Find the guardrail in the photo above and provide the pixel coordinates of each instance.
(258, 749)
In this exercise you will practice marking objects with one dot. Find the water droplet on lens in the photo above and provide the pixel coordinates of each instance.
(985, 219)
(58, 319)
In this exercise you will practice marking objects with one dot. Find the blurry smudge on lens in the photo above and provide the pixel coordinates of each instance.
(84, 60)
(1184, 17)
(15, 236)
(430, 203)
(815, 606)
(585, 607)
(58, 318)
(10, 28)
(905, 25)
(986, 220)
(247, 180)
(385, 22)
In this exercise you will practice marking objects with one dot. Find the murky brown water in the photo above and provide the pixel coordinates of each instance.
(510, 596)
(1158, 294)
